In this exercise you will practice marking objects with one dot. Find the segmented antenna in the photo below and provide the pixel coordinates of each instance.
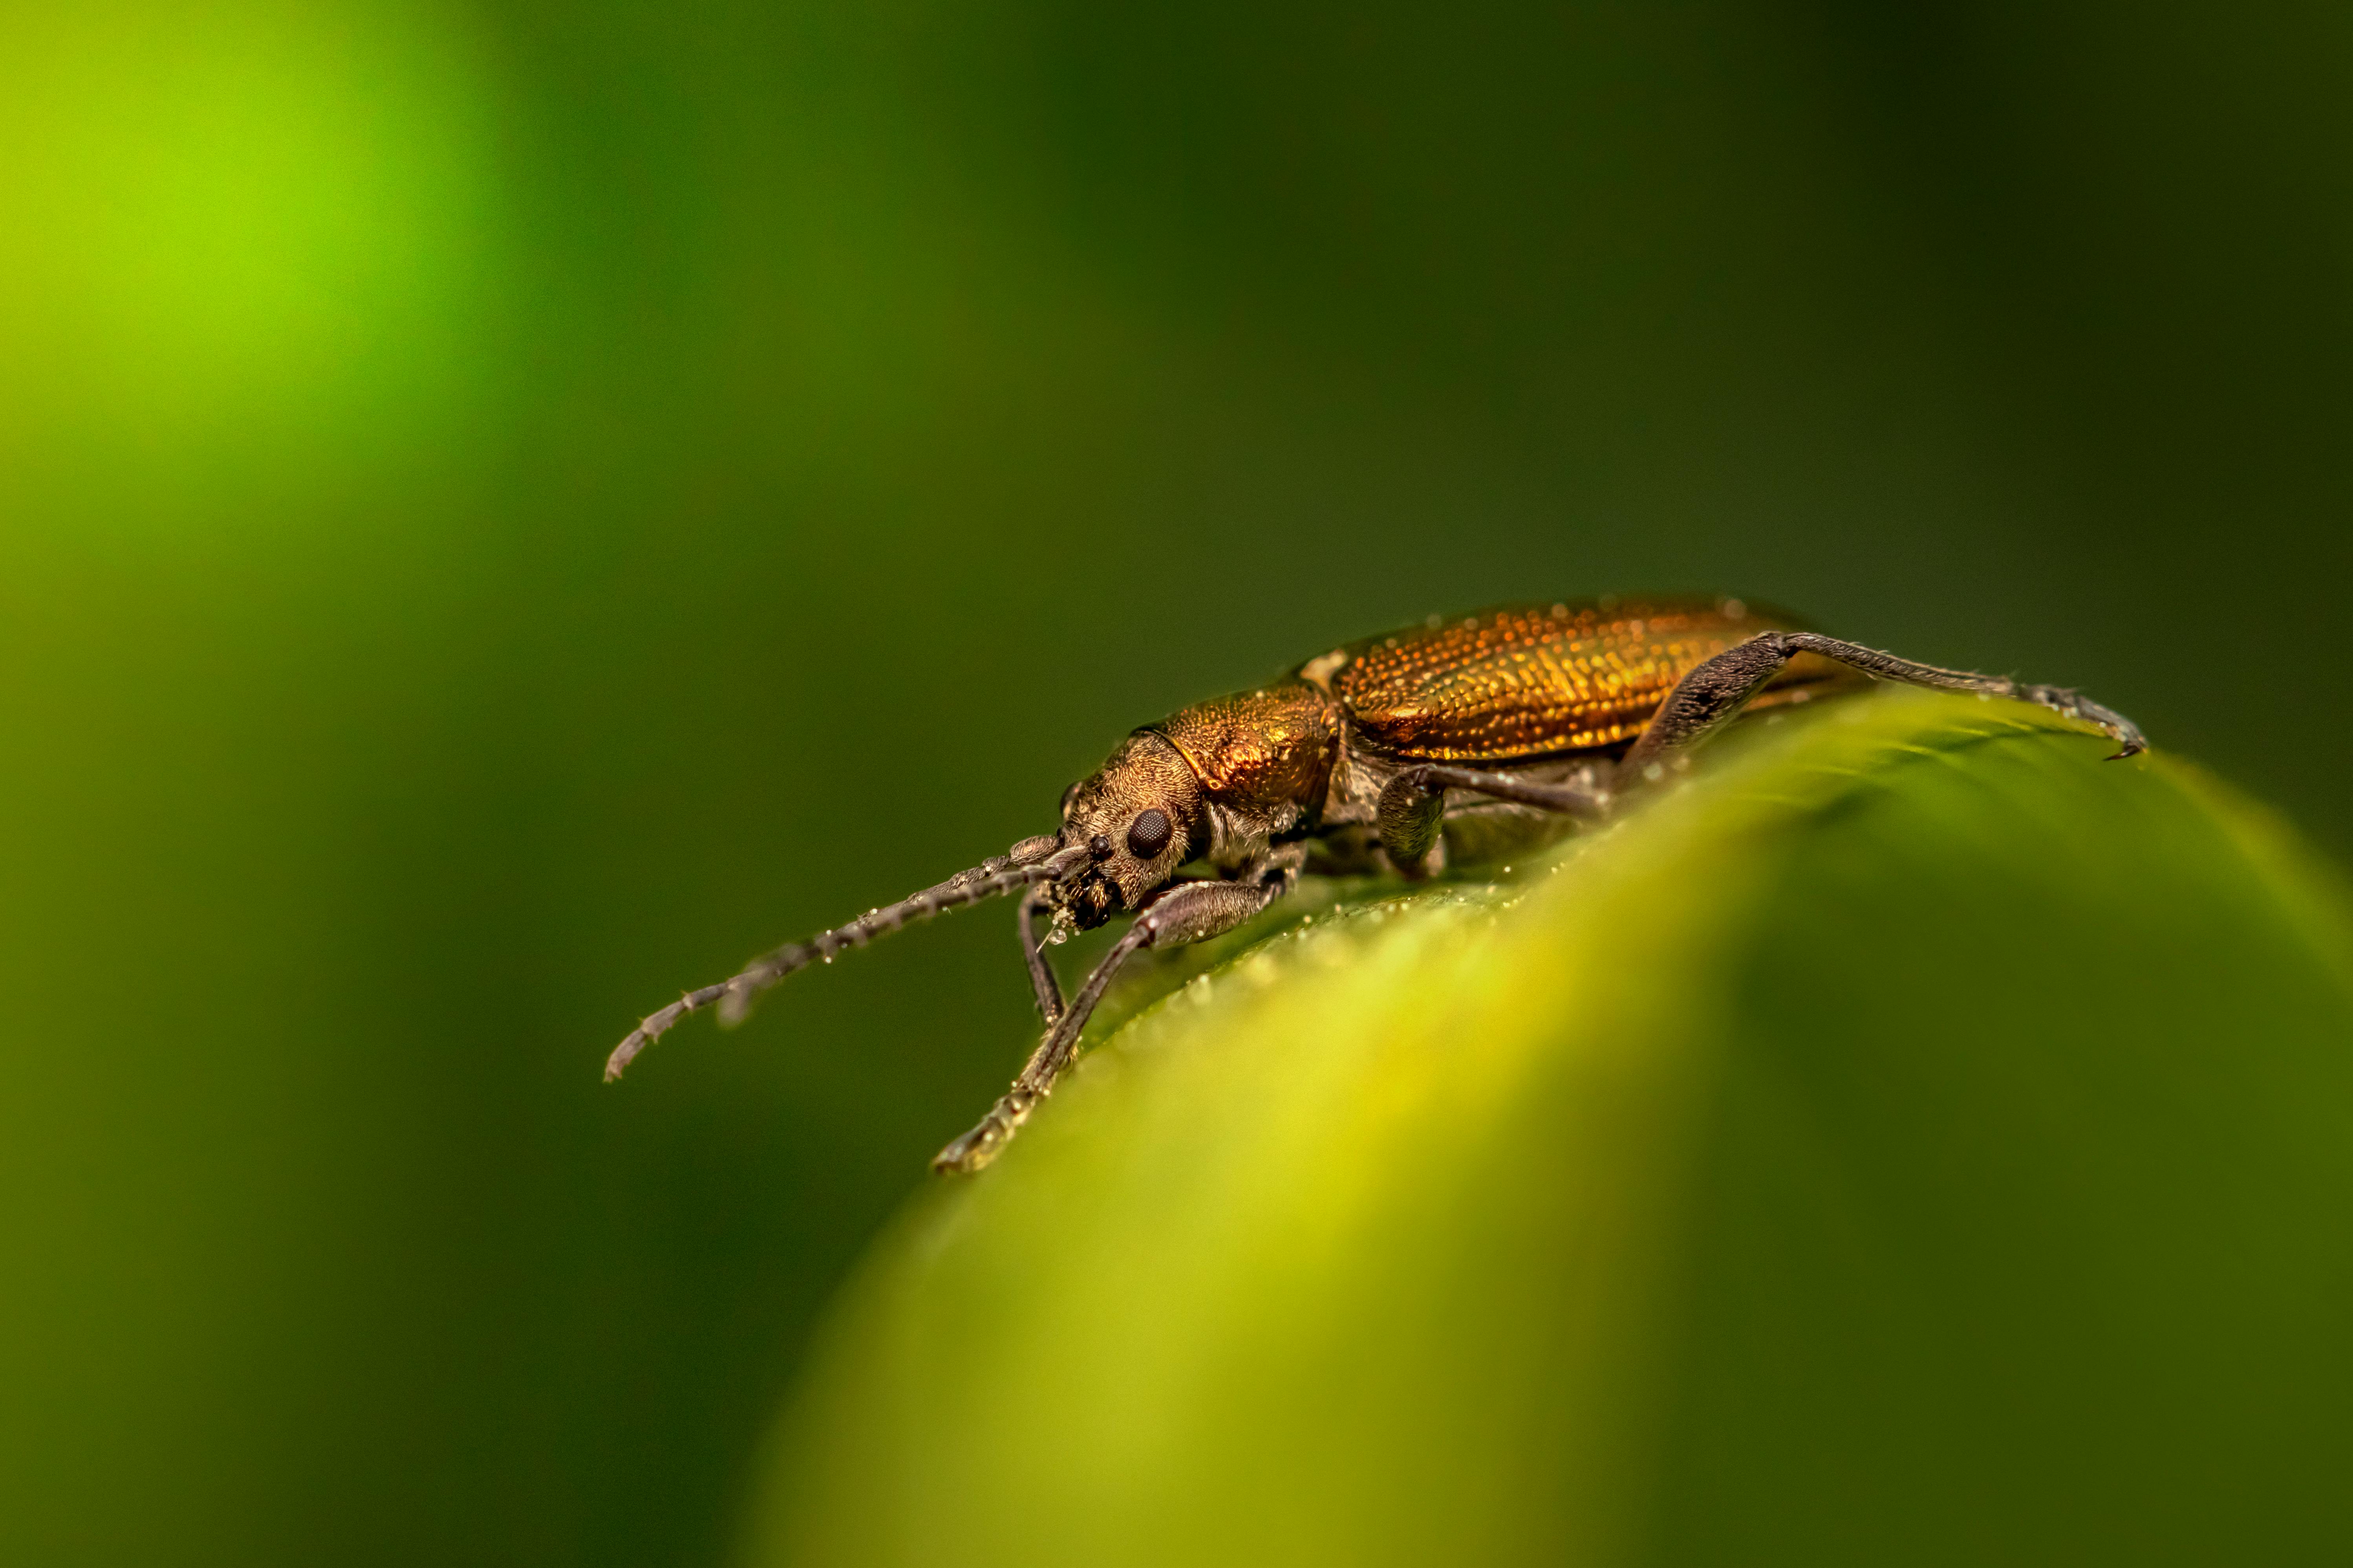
(1031, 861)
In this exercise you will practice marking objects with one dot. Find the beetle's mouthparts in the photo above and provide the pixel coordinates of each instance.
(1093, 899)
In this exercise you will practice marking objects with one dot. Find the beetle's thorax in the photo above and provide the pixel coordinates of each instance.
(1265, 761)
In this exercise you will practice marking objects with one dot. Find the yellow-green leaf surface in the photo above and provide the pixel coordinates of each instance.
(1912, 1140)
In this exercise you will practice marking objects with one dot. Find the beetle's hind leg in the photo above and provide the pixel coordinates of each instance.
(1714, 694)
(1185, 913)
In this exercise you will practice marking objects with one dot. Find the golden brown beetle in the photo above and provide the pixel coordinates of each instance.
(1535, 716)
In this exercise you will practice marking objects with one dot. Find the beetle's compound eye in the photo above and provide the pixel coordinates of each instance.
(1148, 836)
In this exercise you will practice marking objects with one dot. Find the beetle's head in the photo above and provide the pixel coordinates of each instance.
(1124, 832)
(1141, 815)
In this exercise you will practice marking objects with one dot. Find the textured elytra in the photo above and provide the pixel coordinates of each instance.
(1523, 680)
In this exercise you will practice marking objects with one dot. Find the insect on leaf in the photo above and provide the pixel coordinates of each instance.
(1909, 1140)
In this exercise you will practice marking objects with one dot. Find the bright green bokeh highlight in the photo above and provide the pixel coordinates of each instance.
(1913, 1140)
(233, 234)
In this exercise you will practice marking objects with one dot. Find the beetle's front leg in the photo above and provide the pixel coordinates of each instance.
(1183, 914)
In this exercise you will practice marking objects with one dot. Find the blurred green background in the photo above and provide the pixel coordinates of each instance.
(512, 507)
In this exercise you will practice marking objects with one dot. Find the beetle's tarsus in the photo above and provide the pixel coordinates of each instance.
(2072, 704)
(976, 1148)
(2130, 741)
(1183, 913)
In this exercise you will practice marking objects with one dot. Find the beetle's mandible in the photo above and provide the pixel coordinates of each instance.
(1458, 742)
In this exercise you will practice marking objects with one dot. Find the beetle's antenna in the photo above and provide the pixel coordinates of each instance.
(1031, 861)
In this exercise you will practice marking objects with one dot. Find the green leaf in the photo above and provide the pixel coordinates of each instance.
(1912, 1140)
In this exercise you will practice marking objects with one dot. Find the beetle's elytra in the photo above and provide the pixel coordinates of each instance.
(1459, 741)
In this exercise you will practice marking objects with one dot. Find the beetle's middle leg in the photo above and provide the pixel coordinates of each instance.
(1412, 806)
(1715, 692)
(1187, 913)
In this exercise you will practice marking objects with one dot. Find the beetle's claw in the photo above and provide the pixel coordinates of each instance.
(2130, 741)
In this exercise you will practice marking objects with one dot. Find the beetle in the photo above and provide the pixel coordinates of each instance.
(1458, 742)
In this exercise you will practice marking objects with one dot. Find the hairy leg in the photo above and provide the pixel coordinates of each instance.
(1185, 913)
(1714, 693)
